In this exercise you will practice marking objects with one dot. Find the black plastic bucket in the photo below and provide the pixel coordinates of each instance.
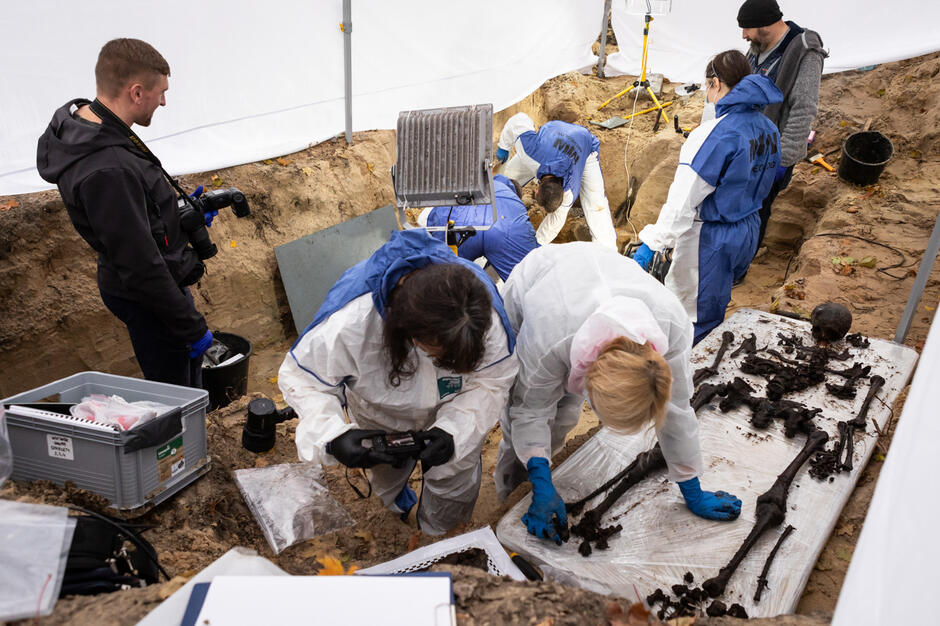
(227, 382)
(864, 156)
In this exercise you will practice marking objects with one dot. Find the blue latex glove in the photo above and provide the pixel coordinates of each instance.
(546, 503)
(718, 505)
(780, 173)
(197, 349)
(502, 155)
(405, 500)
(643, 256)
(207, 216)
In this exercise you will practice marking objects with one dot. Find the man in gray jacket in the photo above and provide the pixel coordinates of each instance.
(792, 57)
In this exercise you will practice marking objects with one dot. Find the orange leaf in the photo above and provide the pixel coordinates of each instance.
(282, 161)
(8, 204)
(332, 567)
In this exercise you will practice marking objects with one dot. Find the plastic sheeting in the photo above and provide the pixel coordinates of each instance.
(662, 539)
(498, 562)
(291, 502)
(856, 34)
(254, 80)
(34, 545)
(895, 560)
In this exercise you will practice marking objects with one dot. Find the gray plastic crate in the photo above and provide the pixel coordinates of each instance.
(144, 465)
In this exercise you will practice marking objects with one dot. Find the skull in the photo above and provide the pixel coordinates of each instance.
(830, 322)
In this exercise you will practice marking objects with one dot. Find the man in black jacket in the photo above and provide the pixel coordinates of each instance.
(121, 203)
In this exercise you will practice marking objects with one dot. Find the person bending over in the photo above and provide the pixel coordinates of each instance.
(592, 325)
(413, 338)
(563, 157)
(505, 243)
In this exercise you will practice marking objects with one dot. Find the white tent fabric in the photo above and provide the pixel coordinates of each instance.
(856, 34)
(896, 557)
(254, 80)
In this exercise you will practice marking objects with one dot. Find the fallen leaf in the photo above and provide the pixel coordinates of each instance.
(307, 171)
(233, 244)
(844, 554)
(216, 180)
(846, 529)
(273, 380)
(371, 167)
(880, 92)
(268, 161)
(868, 261)
(365, 535)
(844, 123)
(851, 209)
(930, 308)
(879, 457)
(845, 270)
(282, 161)
(8, 204)
(333, 567)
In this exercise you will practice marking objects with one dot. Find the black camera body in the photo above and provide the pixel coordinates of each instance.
(192, 216)
(406, 445)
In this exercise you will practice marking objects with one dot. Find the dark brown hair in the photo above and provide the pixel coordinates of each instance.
(442, 305)
(550, 192)
(729, 66)
(124, 60)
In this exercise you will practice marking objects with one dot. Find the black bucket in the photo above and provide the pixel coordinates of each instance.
(227, 382)
(864, 156)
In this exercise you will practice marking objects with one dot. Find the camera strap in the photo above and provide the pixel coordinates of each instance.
(107, 115)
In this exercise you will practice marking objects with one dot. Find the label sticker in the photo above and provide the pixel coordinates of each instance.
(170, 459)
(60, 447)
(449, 385)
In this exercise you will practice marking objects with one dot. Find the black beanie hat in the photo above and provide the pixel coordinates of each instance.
(758, 13)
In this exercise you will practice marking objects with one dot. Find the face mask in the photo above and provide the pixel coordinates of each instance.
(708, 112)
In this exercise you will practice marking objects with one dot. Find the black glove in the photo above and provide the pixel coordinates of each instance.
(438, 448)
(348, 449)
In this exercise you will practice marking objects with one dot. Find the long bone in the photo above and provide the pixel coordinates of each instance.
(771, 511)
(727, 338)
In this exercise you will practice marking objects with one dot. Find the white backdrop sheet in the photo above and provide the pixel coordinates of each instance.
(895, 560)
(251, 81)
(856, 34)
(254, 80)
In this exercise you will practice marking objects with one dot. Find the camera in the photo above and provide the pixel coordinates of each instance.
(192, 216)
(400, 445)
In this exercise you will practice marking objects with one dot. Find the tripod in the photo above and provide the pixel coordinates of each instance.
(642, 80)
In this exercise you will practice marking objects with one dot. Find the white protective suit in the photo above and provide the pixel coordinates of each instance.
(523, 167)
(341, 361)
(565, 302)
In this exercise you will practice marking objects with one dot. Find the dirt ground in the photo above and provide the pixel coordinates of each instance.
(54, 324)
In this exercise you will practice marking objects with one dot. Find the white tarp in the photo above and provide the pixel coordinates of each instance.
(856, 34)
(254, 80)
(661, 539)
(895, 560)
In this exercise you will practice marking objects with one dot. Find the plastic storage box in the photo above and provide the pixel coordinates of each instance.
(144, 465)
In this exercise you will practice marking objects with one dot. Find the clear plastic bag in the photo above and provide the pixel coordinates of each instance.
(33, 551)
(117, 411)
(291, 503)
(6, 452)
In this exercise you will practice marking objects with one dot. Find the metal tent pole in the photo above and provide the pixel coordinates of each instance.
(602, 57)
(923, 273)
(347, 62)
